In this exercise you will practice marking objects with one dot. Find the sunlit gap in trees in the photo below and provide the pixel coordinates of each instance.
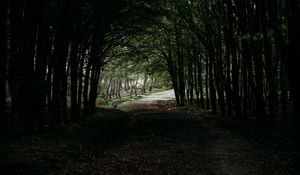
(135, 70)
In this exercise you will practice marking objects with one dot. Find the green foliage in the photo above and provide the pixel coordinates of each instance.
(138, 60)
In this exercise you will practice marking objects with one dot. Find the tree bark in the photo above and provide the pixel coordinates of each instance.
(26, 61)
(219, 77)
(80, 84)
(60, 54)
(245, 53)
(268, 53)
(293, 50)
(234, 61)
(212, 89)
(86, 89)
(180, 66)
(191, 79)
(74, 78)
(259, 96)
(200, 82)
(43, 51)
(228, 74)
(207, 83)
(3, 53)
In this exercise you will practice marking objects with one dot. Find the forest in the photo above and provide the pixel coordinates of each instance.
(231, 58)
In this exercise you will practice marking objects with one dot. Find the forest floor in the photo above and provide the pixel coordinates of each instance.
(159, 140)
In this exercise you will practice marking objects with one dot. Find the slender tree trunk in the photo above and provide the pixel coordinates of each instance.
(93, 90)
(49, 84)
(228, 74)
(243, 25)
(43, 52)
(86, 89)
(3, 53)
(27, 53)
(284, 92)
(294, 50)
(196, 73)
(180, 66)
(234, 61)
(245, 62)
(206, 83)
(119, 89)
(200, 82)
(259, 96)
(60, 54)
(64, 93)
(172, 71)
(219, 77)
(269, 60)
(191, 80)
(80, 76)
(95, 73)
(212, 89)
(15, 14)
(74, 78)
(251, 81)
(108, 89)
(292, 67)
(145, 83)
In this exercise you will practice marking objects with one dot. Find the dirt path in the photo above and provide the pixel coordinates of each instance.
(159, 96)
(144, 142)
(149, 138)
(154, 101)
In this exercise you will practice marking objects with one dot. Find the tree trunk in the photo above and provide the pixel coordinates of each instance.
(200, 82)
(228, 74)
(74, 78)
(268, 53)
(196, 73)
(86, 89)
(27, 53)
(145, 83)
(95, 75)
(172, 70)
(212, 89)
(43, 51)
(191, 80)
(293, 50)
(284, 90)
(245, 58)
(49, 84)
(180, 66)
(206, 83)
(219, 77)
(60, 54)
(64, 94)
(234, 61)
(15, 14)
(3, 53)
(259, 96)
(80, 76)
(243, 25)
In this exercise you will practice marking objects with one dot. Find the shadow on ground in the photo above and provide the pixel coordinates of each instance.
(146, 142)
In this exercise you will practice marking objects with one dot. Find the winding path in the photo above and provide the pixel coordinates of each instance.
(147, 140)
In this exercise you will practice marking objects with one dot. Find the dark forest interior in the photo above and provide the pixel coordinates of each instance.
(67, 67)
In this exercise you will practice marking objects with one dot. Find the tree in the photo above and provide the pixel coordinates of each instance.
(3, 53)
(293, 49)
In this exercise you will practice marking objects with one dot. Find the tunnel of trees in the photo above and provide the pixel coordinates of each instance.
(234, 57)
